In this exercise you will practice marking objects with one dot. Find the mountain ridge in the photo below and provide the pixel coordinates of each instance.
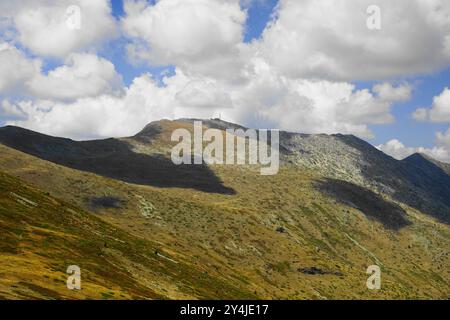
(216, 123)
(423, 184)
(251, 236)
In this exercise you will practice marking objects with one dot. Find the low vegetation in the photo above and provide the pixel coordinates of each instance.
(295, 235)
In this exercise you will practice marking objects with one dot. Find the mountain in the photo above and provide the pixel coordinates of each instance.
(113, 158)
(428, 163)
(41, 236)
(336, 206)
(424, 186)
(420, 183)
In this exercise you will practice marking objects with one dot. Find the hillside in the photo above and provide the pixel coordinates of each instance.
(425, 187)
(337, 206)
(41, 236)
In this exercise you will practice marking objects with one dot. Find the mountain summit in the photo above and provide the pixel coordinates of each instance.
(336, 206)
(418, 181)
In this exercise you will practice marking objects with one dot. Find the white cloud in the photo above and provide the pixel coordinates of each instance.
(15, 69)
(187, 33)
(294, 78)
(116, 115)
(439, 111)
(204, 94)
(441, 151)
(390, 93)
(397, 149)
(443, 139)
(12, 111)
(420, 114)
(308, 39)
(266, 100)
(83, 75)
(310, 106)
(42, 26)
(330, 39)
(102, 116)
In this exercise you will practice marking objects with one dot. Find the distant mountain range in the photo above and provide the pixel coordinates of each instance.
(337, 205)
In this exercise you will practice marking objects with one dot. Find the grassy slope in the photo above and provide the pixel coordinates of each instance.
(232, 239)
(41, 236)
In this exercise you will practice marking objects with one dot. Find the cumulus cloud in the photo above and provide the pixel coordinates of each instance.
(397, 149)
(330, 39)
(441, 151)
(296, 77)
(186, 33)
(388, 92)
(83, 75)
(439, 111)
(47, 26)
(268, 100)
(102, 116)
(443, 139)
(107, 115)
(15, 69)
(188, 29)
(313, 106)
(420, 114)
(12, 111)
(204, 94)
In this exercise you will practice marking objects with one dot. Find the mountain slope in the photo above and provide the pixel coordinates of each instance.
(41, 236)
(424, 187)
(424, 162)
(272, 233)
(113, 158)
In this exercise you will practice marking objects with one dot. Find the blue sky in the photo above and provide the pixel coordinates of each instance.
(203, 58)
(413, 133)
(405, 128)
(259, 14)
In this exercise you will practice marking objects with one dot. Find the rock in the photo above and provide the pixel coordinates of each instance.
(281, 230)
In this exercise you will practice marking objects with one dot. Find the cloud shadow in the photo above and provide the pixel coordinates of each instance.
(373, 206)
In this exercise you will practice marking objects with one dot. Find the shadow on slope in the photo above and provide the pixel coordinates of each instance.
(41, 236)
(113, 158)
(391, 215)
(415, 181)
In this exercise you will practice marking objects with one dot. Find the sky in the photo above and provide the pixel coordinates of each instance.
(89, 69)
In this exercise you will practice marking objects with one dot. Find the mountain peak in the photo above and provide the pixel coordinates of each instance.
(418, 155)
(422, 159)
(418, 181)
(214, 123)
